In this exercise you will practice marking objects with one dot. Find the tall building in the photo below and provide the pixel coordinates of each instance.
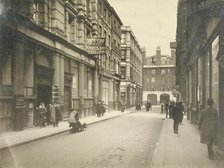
(131, 68)
(47, 53)
(159, 79)
(108, 26)
(200, 37)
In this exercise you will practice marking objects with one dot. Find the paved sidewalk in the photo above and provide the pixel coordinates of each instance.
(182, 150)
(10, 139)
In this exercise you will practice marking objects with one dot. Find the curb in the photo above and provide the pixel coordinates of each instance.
(56, 133)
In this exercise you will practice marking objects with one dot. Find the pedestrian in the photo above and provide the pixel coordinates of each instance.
(182, 112)
(177, 110)
(150, 106)
(166, 109)
(162, 107)
(122, 105)
(171, 108)
(48, 114)
(208, 124)
(55, 114)
(98, 108)
(103, 108)
(42, 113)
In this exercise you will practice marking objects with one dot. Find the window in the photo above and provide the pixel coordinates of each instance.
(168, 71)
(100, 8)
(163, 71)
(153, 80)
(105, 13)
(123, 72)
(109, 40)
(122, 38)
(100, 31)
(153, 71)
(35, 12)
(105, 36)
(71, 28)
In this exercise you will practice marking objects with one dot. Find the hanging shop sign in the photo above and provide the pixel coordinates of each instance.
(96, 46)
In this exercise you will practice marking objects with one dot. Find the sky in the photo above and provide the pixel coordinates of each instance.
(153, 22)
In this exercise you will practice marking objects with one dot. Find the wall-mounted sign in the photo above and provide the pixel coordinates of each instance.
(96, 46)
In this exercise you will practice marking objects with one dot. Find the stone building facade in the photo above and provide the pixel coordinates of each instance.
(159, 79)
(200, 57)
(44, 57)
(108, 25)
(131, 68)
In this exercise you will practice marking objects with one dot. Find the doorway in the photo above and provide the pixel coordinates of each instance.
(44, 94)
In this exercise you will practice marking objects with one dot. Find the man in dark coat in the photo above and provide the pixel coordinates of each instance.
(208, 124)
(177, 110)
(98, 108)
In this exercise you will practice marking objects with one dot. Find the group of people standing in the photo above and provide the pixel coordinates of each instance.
(100, 108)
(48, 114)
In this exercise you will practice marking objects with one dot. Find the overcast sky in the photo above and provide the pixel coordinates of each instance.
(152, 21)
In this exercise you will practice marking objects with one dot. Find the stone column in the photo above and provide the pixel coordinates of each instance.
(96, 89)
(58, 77)
(81, 88)
(19, 85)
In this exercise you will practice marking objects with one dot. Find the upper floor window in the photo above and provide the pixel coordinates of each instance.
(100, 8)
(163, 71)
(168, 71)
(153, 71)
(100, 31)
(153, 80)
(105, 13)
(35, 12)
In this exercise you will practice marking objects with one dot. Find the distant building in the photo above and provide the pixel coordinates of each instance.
(131, 68)
(159, 77)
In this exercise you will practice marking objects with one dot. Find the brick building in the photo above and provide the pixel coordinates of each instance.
(159, 79)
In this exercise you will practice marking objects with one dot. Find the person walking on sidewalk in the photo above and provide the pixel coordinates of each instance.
(208, 124)
(177, 110)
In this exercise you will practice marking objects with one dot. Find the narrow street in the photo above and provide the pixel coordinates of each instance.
(124, 142)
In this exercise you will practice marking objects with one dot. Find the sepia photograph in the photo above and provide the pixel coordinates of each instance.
(111, 83)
